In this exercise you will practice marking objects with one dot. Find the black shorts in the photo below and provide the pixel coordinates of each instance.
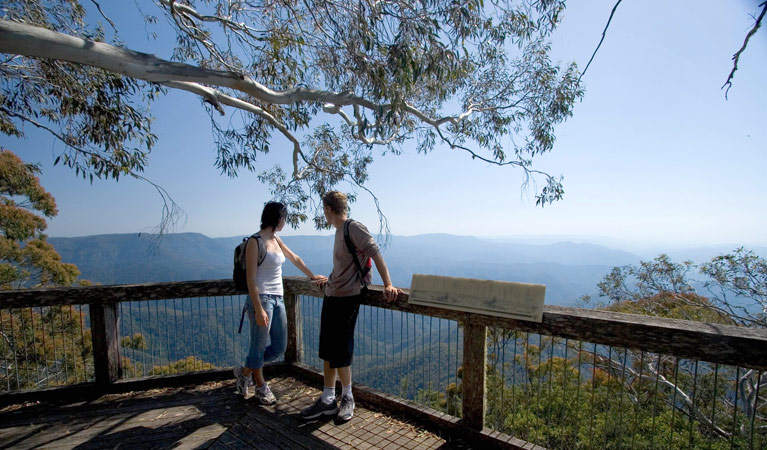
(339, 317)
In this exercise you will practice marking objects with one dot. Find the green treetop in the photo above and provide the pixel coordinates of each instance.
(26, 258)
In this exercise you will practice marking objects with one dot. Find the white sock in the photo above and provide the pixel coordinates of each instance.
(328, 395)
(347, 390)
(263, 388)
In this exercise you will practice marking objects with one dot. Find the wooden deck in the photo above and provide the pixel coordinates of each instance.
(209, 415)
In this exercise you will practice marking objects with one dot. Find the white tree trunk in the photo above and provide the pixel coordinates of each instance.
(28, 40)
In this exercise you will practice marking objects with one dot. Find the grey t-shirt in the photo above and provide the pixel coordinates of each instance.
(344, 281)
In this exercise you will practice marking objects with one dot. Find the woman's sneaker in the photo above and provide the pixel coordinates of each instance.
(346, 411)
(319, 409)
(242, 382)
(265, 396)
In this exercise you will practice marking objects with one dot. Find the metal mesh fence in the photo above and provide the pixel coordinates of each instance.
(44, 347)
(565, 394)
(412, 356)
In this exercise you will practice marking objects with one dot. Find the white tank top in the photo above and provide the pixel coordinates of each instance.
(269, 275)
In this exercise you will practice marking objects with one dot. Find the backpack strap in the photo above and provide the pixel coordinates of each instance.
(242, 318)
(261, 248)
(350, 246)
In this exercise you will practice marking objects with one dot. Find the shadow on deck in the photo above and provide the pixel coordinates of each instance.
(208, 415)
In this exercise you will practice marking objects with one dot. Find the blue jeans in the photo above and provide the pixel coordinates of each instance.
(267, 344)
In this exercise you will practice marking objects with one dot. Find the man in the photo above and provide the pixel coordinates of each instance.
(343, 292)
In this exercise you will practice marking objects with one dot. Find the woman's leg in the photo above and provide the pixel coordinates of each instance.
(259, 337)
(278, 331)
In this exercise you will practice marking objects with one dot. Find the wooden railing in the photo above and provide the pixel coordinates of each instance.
(720, 344)
(714, 343)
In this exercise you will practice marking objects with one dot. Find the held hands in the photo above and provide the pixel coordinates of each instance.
(319, 280)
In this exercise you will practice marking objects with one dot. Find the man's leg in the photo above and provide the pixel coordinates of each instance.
(329, 389)
(326, 404)
(330, 375)
(344, 374)
(346, 409)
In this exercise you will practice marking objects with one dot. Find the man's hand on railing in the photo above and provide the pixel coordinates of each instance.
(391, 293)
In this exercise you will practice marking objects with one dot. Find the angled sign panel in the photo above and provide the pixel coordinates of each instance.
(521, 301)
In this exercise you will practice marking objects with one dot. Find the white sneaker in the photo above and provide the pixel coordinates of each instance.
(242, 382)
(346, 411)
(265, 396)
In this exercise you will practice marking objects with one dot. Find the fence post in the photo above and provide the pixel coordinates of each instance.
(473, 380)
(105, 334)
(295, 350)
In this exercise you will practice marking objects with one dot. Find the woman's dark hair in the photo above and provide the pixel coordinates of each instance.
(273, 212)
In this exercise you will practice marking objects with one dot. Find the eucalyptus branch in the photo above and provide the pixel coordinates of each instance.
(60, 137)
(8, 340)
(98, 7)
(360, 134)
(439, 121)
(240, 28)
(197, 36)
(656, 376)
(604, 33)
(474, 155)
(736, 56)
(311, 11)
(216, 98)
(150, 68)
(171, 210)
(383, 222)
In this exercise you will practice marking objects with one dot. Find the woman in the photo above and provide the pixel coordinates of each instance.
(266, 308)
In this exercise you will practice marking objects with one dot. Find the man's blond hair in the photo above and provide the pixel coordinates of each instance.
(336, 201)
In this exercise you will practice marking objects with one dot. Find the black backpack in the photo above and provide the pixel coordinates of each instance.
(363, 271)
(239, 273)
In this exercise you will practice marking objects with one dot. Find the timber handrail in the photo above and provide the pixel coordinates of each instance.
(716, 343)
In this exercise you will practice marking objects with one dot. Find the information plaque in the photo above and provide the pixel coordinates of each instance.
(522, 301)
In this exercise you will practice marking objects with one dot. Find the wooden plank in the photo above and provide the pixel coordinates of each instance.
(281, 430)
(105, 334)
(23, 298)
(473, 382)
(87, 391)
(521, 301)
(295, 349)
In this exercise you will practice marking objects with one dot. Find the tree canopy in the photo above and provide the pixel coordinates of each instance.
(26, 257)
(732, 289)
(343, 81)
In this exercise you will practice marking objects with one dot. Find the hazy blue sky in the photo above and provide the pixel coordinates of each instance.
(654, 152)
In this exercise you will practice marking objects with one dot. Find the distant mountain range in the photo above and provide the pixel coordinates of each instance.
(569, 270)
